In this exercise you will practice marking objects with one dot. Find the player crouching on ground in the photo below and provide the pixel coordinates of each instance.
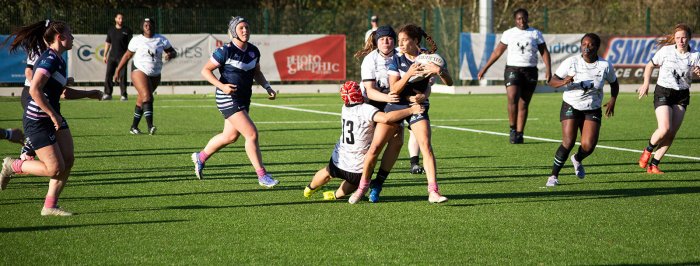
(358, 121)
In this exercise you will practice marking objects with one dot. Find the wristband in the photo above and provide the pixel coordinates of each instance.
(8, 133)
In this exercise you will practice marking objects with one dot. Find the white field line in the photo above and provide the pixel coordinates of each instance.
(481, 131)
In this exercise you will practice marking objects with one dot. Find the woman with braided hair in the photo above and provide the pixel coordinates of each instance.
(400, 71)
(238, 63)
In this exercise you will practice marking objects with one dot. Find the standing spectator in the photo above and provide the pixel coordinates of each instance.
(374, 21)
(118, 38)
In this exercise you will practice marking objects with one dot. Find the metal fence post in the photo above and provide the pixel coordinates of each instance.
(266, 21)
(648, 22)
(546, 19)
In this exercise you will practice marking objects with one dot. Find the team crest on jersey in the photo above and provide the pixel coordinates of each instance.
(251, 54)
(522, 47)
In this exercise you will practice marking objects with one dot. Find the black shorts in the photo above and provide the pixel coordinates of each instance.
(41, 133)
(670, 97)
(334, 171)
(379, 105)
(569, 112)
(412, 119)
(523, 77)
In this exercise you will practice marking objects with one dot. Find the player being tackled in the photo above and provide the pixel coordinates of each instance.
(357, 123)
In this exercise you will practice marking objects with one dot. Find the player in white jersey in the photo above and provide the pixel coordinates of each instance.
(358, 122)
(584, 77)
(149, 50)
(672, 92)
(520, 77)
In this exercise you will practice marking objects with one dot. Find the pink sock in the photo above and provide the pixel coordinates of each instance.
(261, 172)
(433, 188)
(203, 156)
(50, 202)
(17, 166)
(363, 186)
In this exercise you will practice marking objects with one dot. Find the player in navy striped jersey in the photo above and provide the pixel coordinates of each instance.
(45, 128)
(238, 63)
(358, 122)
(148, 49)
(584, 76)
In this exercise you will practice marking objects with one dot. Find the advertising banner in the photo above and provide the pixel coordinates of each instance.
(476, 49)
(86, 58)
(11, 65)
(630, 54)
(297, 57)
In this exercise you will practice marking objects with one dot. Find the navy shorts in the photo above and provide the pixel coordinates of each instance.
(665, 96)
(334, 171)
(412, 119)
(233, 107)
(41, 133)
(569, 112)
(523, 77)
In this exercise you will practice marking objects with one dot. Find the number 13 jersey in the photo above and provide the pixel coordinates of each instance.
(357, 132)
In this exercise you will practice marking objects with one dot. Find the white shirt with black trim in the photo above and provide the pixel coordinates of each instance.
(357, 132)
(676, 68)
(148, 53)
(586, 91)
(375, 68)
(522, 46)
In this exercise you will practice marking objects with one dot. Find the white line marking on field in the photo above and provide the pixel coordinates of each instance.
(480, 131)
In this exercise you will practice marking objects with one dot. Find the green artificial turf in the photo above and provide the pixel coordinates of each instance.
(137, 200)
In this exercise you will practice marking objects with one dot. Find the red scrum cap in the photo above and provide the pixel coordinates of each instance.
(351, 93)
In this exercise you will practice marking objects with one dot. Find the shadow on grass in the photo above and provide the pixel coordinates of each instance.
(210, 207)
(553, 195)
(59, 227)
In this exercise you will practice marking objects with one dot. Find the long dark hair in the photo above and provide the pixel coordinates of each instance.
(415, 32)
(34, 38)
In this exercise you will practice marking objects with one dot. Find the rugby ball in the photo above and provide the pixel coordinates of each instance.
(424, 59)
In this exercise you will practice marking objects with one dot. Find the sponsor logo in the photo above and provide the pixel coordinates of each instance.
(86, 52)
(634, 51)
(320, 59)
(564, 48)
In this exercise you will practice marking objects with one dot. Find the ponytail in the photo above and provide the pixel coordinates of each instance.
(417, 33)
(35, 38)
(370, 45)
(430, 41)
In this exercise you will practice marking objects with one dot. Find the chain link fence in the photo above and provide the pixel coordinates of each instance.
(444, 24)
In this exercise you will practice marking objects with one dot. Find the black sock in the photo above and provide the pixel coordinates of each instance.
(560, 159)
(381, 177)
(581, 154)
(651, 147)
(655, 162)
(512, 127)
(309, 186)
(414, 160)
(138, 112)
(148, 113)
